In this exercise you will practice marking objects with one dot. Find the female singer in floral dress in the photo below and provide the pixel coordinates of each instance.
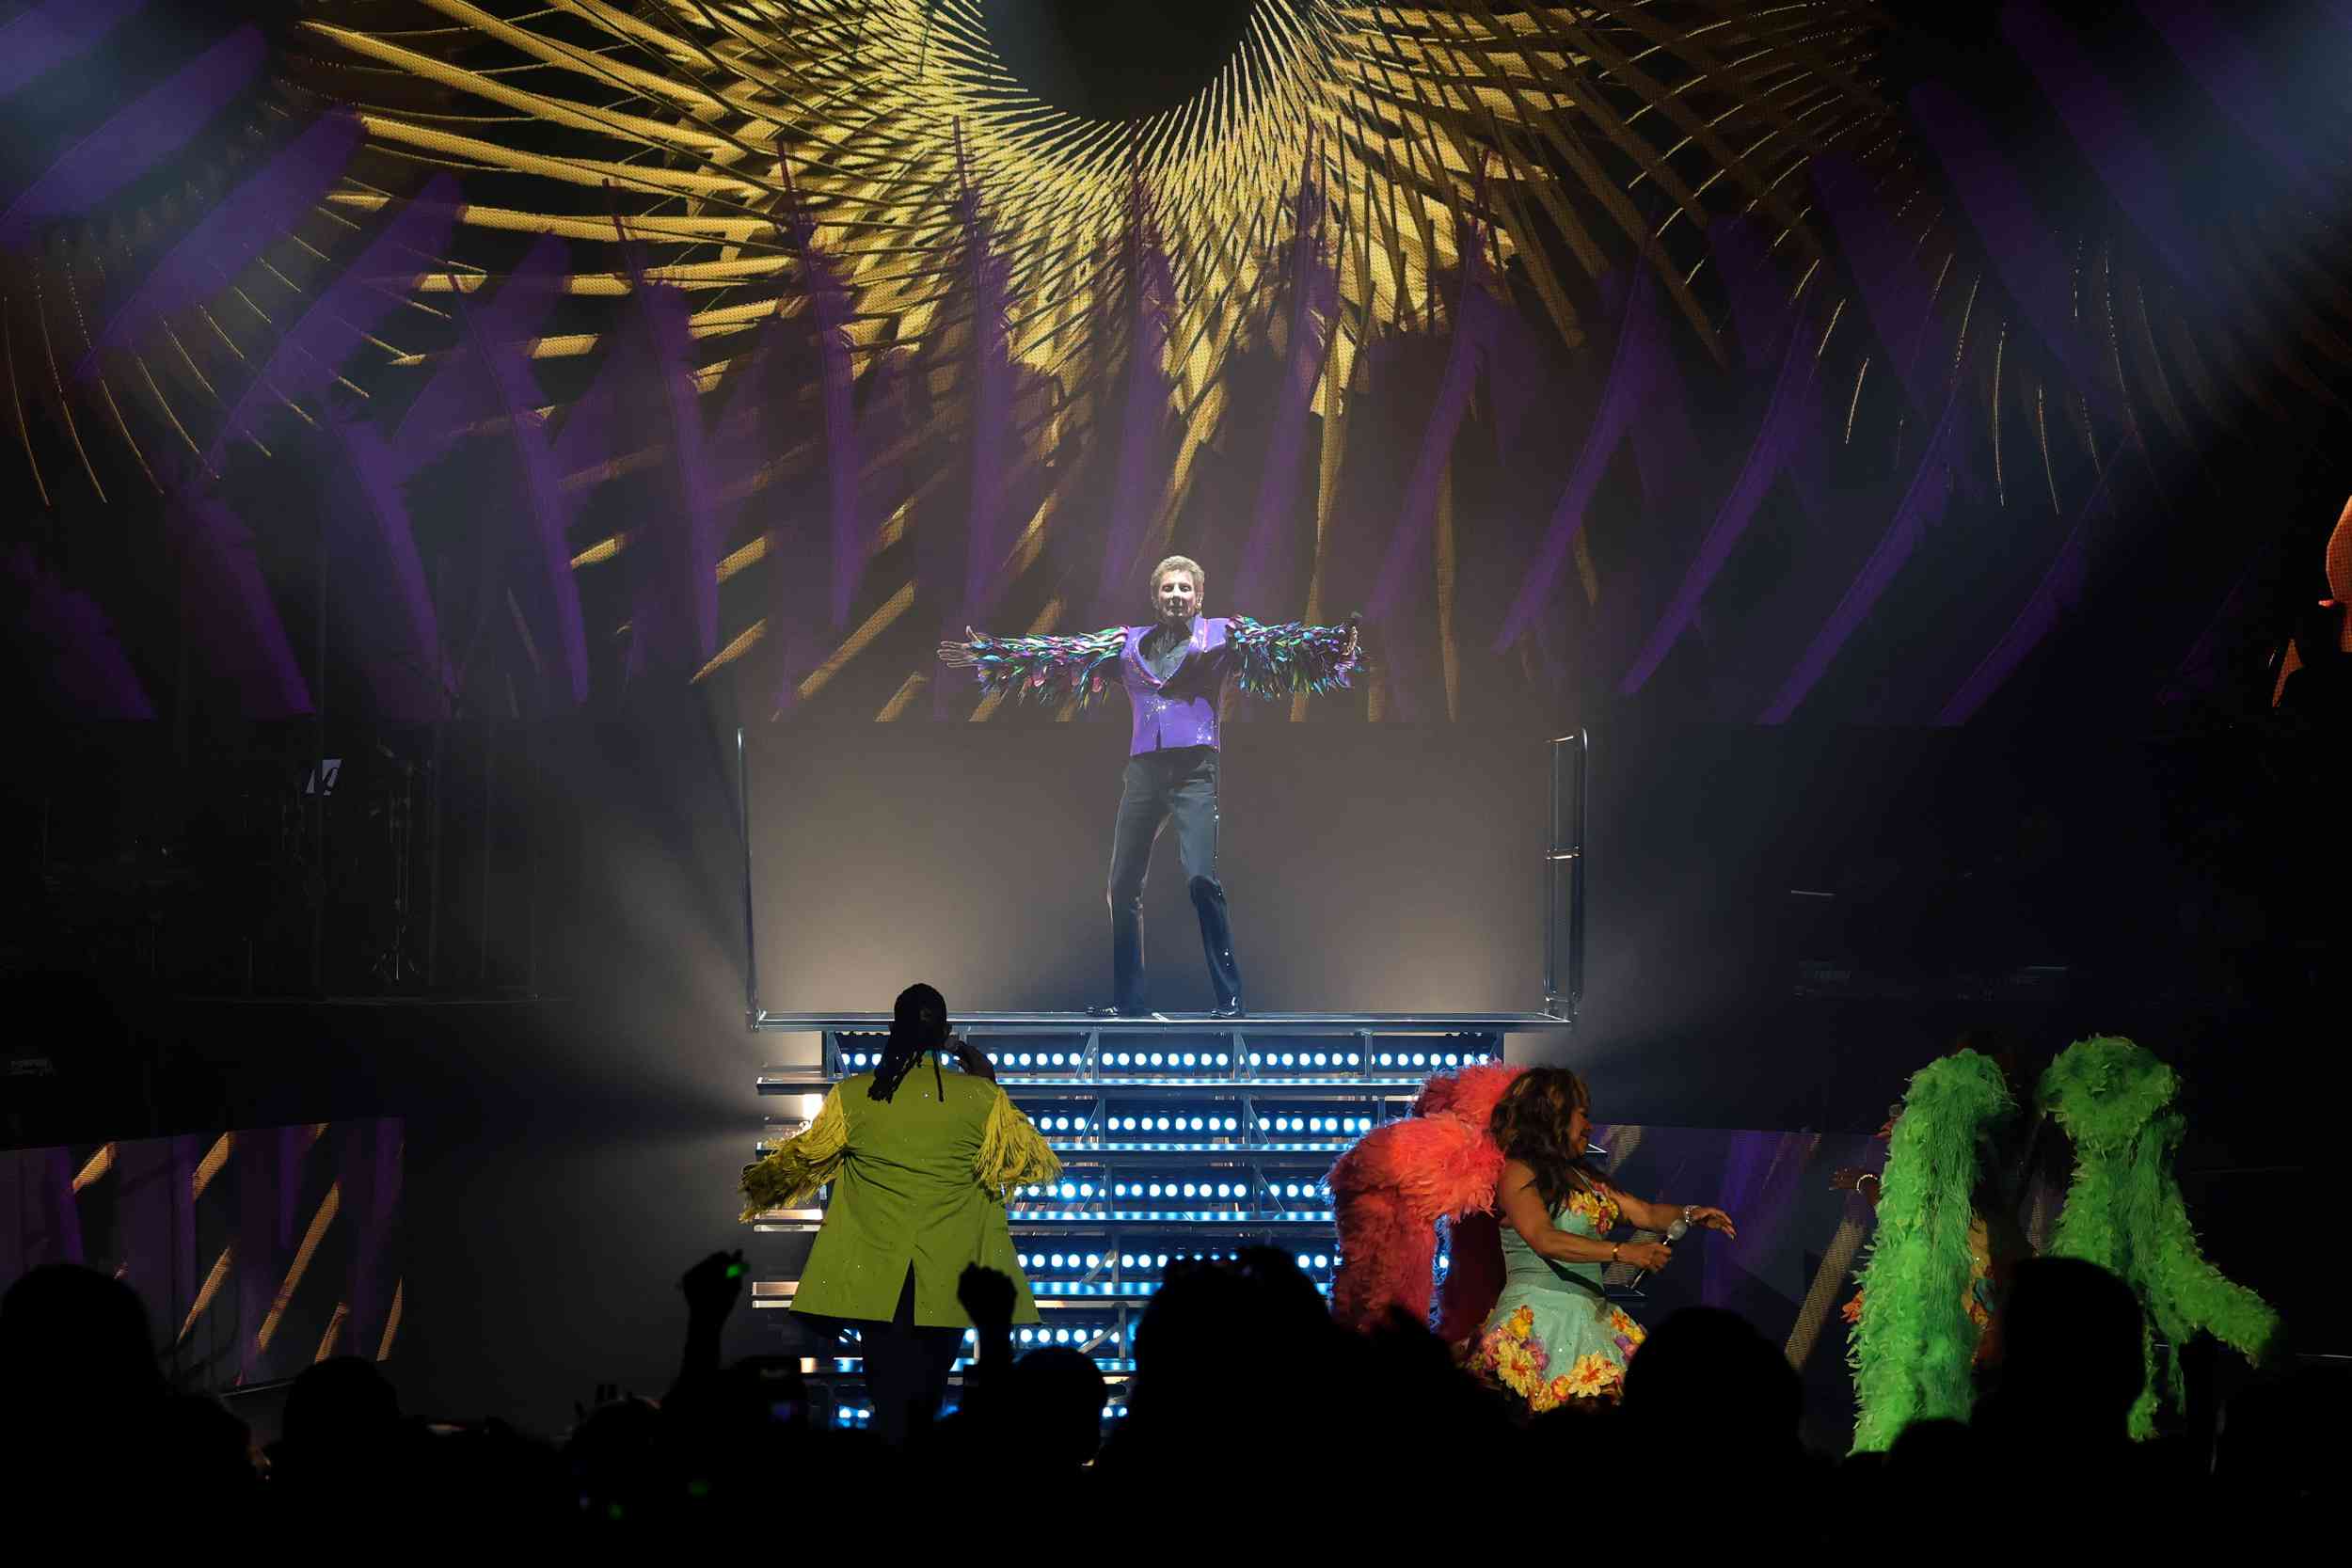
(1553, 1337)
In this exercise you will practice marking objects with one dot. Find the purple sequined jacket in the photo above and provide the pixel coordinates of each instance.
(1182, 709)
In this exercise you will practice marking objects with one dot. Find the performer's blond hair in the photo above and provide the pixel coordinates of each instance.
(1179, 563)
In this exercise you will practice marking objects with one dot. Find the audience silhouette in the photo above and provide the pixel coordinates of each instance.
(1235, 1361)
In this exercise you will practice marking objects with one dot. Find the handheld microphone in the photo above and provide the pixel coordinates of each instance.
(1675, 1232)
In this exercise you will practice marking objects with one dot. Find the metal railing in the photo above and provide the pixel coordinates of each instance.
(1564, 877)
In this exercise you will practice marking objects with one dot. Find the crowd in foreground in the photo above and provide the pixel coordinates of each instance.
(1245, 1391)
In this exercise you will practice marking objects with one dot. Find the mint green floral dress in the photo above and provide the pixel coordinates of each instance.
(1553, 1337)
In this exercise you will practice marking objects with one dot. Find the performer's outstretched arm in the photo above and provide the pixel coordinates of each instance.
(1646, 1216)
(1038, 668)
(1293, 657)
(1523, 1210)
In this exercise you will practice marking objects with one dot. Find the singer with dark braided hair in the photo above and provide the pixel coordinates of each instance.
(920, 1165)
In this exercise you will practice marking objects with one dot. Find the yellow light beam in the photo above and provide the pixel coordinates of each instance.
(334, 1332)
(875, 626)
(319, 1222)
(208, 1290)
(100, 1163)
(210, 1165)
(1828, 1281)
(903, 697)
(741, 643)
(391, 1322)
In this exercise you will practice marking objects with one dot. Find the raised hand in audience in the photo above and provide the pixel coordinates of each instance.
(989, 1296)
(711, 1287)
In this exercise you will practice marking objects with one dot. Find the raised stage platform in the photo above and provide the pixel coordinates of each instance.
(1341, 1052)
(1182, 1136)
(973, 1025)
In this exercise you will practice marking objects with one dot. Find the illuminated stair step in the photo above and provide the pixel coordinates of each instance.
(1050, 1295)
(1089, 1152)
(813, 1081)
(1089, 1148)
(806, 1222)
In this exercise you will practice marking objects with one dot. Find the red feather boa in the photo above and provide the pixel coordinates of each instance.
(1393, 1188)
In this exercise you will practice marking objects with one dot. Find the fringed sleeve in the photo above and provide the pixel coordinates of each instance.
(1047, 668)
(1291, 658)
(795, 1168)
(1011, 1152)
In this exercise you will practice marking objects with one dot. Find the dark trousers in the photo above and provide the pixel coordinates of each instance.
(906, 1370)
(1177, 784)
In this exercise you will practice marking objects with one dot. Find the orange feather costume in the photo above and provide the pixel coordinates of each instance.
(1391, 1191)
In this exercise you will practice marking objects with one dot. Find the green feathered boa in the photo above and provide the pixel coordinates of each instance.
(2123, 1210)
(1911, 1350)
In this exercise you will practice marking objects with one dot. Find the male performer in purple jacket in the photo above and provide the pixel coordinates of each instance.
(1174, 671)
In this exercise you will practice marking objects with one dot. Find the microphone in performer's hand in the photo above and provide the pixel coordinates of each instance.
(1675, 1232)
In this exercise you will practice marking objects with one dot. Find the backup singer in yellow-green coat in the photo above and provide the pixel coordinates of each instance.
(919, 1181)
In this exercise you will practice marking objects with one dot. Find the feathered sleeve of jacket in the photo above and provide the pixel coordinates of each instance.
(1048, 669)
(1289, 658)
(1012, 1153)
(795, 1168)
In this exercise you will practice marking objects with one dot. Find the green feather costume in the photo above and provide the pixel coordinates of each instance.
(2123, 1210)
(1913, 1348)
